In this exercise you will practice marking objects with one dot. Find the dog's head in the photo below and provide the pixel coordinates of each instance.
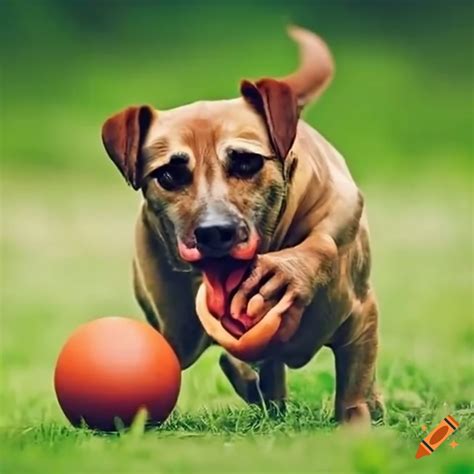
(215, 174)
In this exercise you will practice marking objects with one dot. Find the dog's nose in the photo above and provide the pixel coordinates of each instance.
(216, 240)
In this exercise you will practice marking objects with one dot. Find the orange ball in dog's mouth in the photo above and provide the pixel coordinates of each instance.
(222, 277)
(251, 345)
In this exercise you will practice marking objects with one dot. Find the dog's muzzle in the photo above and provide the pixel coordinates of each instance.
(218, 236)
(223, 249)
(216, 239)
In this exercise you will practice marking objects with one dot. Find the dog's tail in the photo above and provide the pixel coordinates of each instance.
(280, 101)
(316, 67)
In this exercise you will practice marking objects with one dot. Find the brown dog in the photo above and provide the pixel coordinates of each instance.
(243, 188)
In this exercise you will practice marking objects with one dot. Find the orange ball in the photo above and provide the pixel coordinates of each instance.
(251, 345)
(112, 367)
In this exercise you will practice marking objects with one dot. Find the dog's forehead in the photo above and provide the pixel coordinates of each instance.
(220, 120)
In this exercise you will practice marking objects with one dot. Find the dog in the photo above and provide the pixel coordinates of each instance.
(246, 187)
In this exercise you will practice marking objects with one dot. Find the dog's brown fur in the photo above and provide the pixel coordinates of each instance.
(304, 206)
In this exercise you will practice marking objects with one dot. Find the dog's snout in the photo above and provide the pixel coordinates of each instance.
(217, 239)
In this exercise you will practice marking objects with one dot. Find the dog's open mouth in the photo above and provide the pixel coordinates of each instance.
(222, 278)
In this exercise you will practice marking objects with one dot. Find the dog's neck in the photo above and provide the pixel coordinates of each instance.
(308, 194)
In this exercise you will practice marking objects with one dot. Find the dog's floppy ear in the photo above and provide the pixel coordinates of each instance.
(276, 102)
(280, 101)
(123, 135)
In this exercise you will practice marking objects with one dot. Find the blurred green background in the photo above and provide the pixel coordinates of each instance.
(400, 102)
(400, 110)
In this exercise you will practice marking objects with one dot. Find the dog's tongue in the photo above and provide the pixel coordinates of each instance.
(222, 277)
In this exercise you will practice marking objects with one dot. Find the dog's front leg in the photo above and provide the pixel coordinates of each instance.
(285, 281)
(167, 297)
(263, 386)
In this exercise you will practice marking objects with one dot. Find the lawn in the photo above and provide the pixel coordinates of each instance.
(400, 110)
(63, 264)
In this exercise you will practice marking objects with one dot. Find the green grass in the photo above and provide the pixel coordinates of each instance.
(67, 242)
(400, 110)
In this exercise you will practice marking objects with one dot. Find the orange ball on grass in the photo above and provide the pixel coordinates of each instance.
(112, 368)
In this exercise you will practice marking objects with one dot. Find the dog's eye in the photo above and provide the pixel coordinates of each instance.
(173, 176)
(244, 164)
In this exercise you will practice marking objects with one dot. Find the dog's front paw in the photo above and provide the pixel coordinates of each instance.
(280, 282)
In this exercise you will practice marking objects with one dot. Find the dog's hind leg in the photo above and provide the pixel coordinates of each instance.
(355, 350)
